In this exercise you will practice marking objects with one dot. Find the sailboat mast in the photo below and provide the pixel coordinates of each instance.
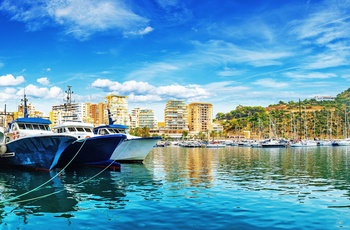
(300, 132)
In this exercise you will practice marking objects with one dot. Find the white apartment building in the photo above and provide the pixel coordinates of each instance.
(134, 117)
(175, 117)
(147, 119)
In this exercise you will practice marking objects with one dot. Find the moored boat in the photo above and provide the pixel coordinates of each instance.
(29, 142)
(215, 145)
(342, 142)
(133, 148)
(273, 143)
(89, 149)
(304, 143)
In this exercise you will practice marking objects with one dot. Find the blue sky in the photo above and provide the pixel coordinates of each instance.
(225, 52)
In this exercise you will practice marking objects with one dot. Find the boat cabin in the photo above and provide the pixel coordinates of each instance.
(79, 129)
(23, 127)
(110, 129)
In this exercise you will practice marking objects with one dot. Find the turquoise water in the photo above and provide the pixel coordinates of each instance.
(182, 188)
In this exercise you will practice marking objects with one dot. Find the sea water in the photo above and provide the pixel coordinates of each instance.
(187, 188)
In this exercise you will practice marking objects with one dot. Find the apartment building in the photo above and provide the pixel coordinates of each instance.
(175, 117)
(67, 110)
(97, 113)
(147, 119)
(134, 117)
(200, 117)
(118, 105)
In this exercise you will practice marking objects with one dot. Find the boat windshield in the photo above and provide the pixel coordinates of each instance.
(117, 131)
(27, 126)
(80, 129)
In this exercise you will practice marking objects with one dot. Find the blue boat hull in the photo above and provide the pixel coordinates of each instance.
(95, 151)
(38, 152)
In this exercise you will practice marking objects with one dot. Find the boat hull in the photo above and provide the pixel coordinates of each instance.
(215, 146)
(95, 151)
(134, 150)
(38, 152)
(273, 146)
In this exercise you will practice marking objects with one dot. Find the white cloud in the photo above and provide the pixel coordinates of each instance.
(216, 51)
(8, 94)
(43, 81)
(153, 70)
(36, 92)
(179, 91)
(142, 90)
(139, 32)
(227, 72)
(10, 80)
(326, 60)
(315, 75)
(85, 17)
(79, 18)
(144, 98)
(268, 82)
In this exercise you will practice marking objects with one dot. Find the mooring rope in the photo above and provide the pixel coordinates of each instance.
(35, 189)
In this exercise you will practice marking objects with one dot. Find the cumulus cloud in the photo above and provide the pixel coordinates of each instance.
(37, 92)
(142, 90)
(43, 81)
(10, 80)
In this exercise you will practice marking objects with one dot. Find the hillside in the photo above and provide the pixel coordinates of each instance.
(307, 118)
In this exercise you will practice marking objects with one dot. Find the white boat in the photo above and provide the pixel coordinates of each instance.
(256, 144)
(215, 145)
(304, 143)
(273, 143)
(134, 148)
(343, 142)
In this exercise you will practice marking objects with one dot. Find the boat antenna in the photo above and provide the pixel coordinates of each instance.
(25, 109)
(110, 120)
(68, 99)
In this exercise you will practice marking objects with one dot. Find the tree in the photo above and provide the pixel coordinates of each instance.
(184, 134)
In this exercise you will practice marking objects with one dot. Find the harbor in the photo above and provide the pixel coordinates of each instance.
(188, 188)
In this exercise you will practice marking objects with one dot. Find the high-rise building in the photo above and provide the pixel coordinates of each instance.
(118, 106)
(134, 118)
(68, 110)
(97, 113)
(200, 117)
(146, 119)
(175, 117)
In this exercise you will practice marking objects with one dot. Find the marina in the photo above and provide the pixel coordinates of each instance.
(188, 188)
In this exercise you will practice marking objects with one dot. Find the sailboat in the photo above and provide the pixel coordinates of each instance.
(303, 142)
(346, 140)
(273, 142)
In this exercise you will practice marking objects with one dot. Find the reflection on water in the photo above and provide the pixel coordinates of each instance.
(178, 187)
